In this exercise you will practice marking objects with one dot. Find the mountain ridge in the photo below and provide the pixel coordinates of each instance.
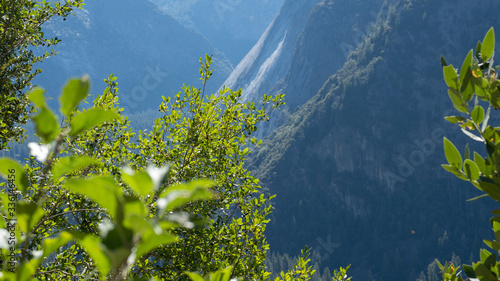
(359, 162)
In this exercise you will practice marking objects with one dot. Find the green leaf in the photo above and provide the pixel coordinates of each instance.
(194, 276)
(493, 244)
(466, 76)
(454, 171)
(92, 245)
(454, 119)
(51, 245)
(471, 170)
(479, 162)
(14, 174)
(488, 45)
(443, 61)
(482, 272)
(73, 93)
(451, 77)
(458, 101)
(469, 271)
(452, 154)
(140, 182)
(151, 241)
(478, 49)
(46, 125)
(478, 114)
(101, 190)
(72, 164)
(491, 189)
(178, 195)
(28, 215)
(36, 96)
(91, 118)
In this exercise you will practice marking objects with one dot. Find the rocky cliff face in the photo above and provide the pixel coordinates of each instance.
(356, 169)
(307, 42)
(151, 53)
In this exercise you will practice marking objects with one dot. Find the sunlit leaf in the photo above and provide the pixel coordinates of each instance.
(140, 182)
(452, 154)
(91, 118)
(471, 170)
(28, 215)
(72, 164)
(73, 93)
(46, 125)
(102, 190)
(36, 96)
(488, 45)
(14, 174)
(451, 77)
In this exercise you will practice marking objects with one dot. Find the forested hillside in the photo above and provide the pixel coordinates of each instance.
(357, 168)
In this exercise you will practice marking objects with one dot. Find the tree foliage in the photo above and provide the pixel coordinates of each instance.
(470, 90)
(95, 194)
(21, 33)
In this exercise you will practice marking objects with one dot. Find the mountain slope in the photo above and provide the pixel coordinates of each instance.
(356, 168)
(151, 57)
(307, 42)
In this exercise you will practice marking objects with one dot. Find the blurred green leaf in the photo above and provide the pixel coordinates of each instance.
(92, 245)
(46, 125)
(180, 194)
(14, 173)
(151, 241)
(72, 164)
(194, 276)
(139, 182)
(73, 93)
(28, 215)
(91, 118)
(51, 245)
(102, 190)
(36, 96)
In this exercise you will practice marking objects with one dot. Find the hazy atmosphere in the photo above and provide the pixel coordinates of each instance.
(265, 139)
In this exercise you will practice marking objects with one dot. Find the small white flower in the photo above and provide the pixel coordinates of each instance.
(40, 151)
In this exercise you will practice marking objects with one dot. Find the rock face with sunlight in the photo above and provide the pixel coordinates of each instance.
(308, 41)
